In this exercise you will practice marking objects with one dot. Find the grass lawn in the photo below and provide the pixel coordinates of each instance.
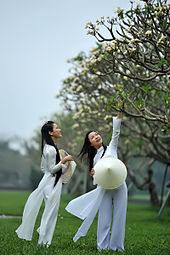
(146, 234)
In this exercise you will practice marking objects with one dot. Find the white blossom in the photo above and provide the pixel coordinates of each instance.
(76, 125)
(79, 88)
(148, 33)
(125, 78)
(107, 117)
(98, 73)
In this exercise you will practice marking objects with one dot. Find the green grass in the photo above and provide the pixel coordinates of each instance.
(146, 234)
(140, 196)
(12, 203)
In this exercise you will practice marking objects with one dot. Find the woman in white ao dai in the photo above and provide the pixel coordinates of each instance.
(48, 189)
(86, 206)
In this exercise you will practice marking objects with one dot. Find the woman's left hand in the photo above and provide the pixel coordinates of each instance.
(92, 172)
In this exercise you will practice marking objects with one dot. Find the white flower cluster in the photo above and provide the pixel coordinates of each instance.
(79, 88)
(98, 73)
(133, 41)
(148, 33)
(73, 88)
(107, 117)
(76, 125)
(125, 78)
(162, 39)
(108, 47)
(93, 59)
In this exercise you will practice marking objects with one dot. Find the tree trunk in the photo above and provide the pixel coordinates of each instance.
(153, 194)
(163, 183)
(152, 188)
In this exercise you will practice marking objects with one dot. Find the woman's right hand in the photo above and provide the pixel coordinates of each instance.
(119, 115)
(92, 172)
(67, 158)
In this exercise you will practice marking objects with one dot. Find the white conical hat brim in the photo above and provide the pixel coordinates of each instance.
(69, 170)
(110, 173)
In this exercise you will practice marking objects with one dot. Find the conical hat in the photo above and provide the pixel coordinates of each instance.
(110, 173)
(70, 167)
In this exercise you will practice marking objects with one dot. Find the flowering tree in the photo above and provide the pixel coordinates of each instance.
(142, 37)
(90, 97)
(138, 48)
(132, 63)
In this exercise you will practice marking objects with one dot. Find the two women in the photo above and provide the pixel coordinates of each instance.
(48, 189)
(86, 206)
(106, 201)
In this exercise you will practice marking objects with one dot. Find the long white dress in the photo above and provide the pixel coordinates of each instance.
(51, 196)
(86, 206)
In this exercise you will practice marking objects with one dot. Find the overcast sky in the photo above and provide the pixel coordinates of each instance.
(37, 37)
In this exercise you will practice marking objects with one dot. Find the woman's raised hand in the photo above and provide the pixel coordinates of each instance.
(119, 101)
(119, 115)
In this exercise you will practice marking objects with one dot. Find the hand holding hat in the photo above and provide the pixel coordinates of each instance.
(68, 171)
(66, 158)
(110, 173)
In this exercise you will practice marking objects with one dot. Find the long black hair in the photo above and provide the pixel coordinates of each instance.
(45, 136)
(88, 152)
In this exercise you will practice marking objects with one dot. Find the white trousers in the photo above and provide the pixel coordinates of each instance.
(49, 217)
(51, 195)
(113, 201)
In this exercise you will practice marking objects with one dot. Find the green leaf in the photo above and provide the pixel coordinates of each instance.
(146, 88)
(138, 143)
(117, 106)
(111, 99)
(149, 104)
(136, 103)
(130, 93)
(122, 94)
(120, 14)
(143, 89)
(141, 101)
(162, 62)
(165, 96)
(164, 24)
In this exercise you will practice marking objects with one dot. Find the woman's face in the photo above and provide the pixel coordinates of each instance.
(95, 139)
(56, 133)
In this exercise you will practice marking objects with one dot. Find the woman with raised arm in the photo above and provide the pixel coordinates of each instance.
(48, 189)
(107, 201)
